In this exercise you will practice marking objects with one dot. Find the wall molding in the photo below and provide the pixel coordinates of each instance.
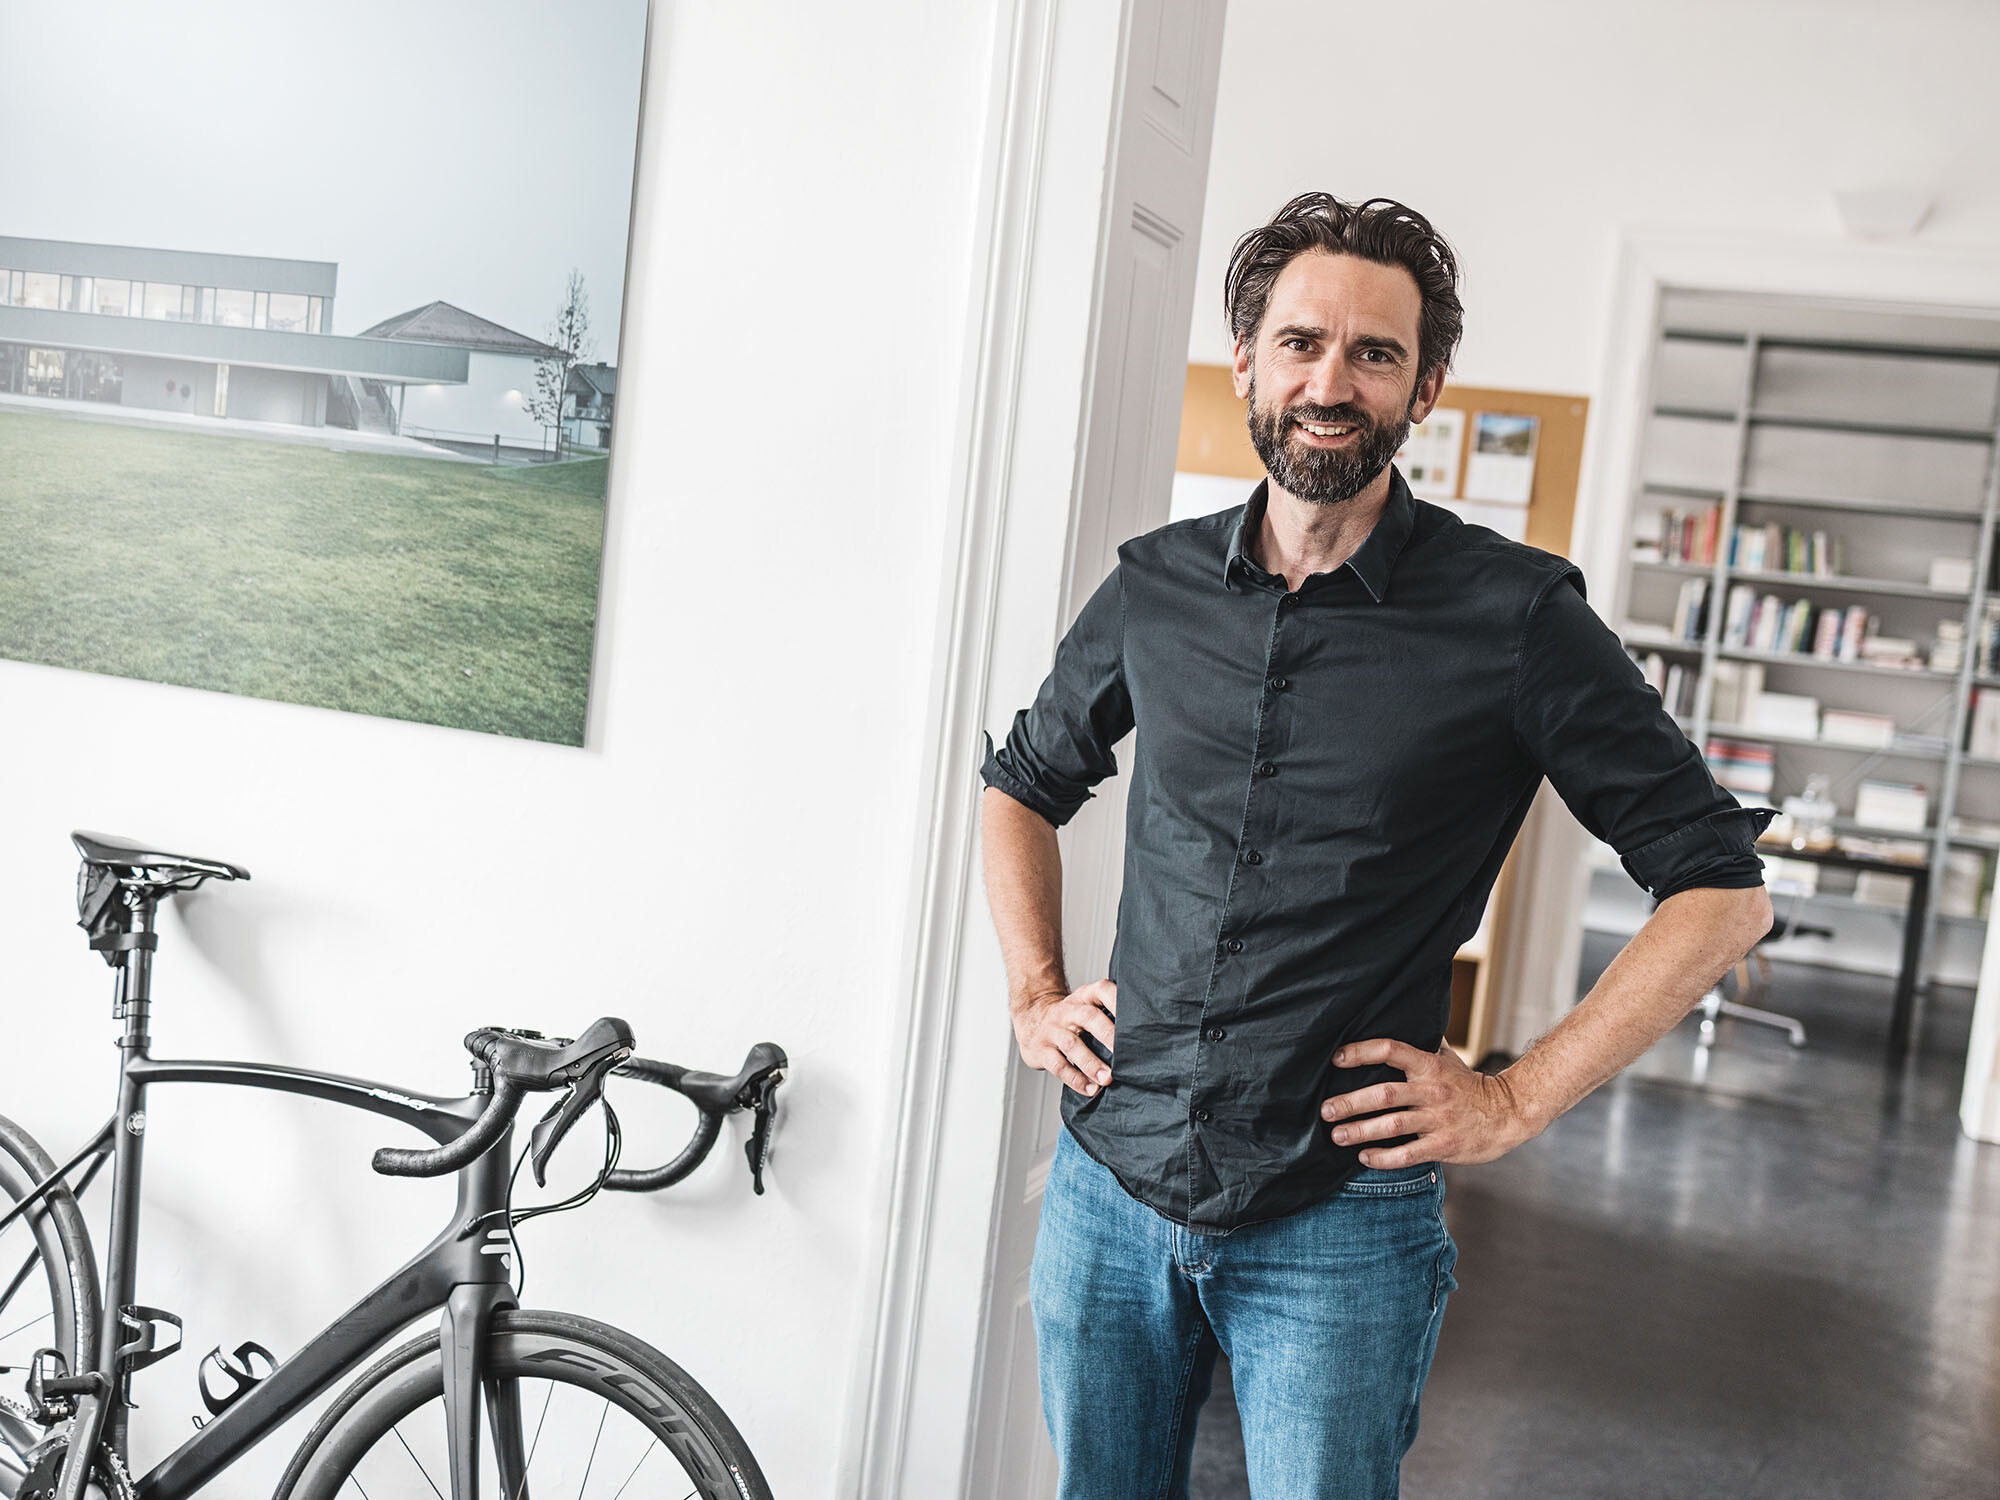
(1018, 125)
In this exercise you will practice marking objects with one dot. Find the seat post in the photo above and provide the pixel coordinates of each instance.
(135, 975)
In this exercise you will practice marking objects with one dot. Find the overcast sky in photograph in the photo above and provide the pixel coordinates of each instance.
(465, 150)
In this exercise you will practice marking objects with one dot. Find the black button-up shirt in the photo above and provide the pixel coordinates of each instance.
(1324, 784)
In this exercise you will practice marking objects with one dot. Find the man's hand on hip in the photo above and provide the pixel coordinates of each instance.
(1455, 1113)
(1050, 1029)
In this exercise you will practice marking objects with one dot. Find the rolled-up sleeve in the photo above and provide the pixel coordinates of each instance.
(1587, 718)
(1061, 745)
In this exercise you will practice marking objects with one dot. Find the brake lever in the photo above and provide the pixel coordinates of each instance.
(553, 1126)
(765, 1104)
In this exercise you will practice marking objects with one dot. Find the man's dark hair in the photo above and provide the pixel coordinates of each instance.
(1381, 230)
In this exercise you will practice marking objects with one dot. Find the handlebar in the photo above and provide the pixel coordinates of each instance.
(754, 1088)
(522, 1062)
(479, 1137)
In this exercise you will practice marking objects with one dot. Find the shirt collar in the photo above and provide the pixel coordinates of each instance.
(1372, 561)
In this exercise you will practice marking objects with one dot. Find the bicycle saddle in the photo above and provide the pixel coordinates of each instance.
(128, 859)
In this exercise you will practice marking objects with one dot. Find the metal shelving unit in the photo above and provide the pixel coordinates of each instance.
(1740, 498)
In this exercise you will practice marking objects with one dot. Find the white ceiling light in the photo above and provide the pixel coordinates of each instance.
(1881, 213)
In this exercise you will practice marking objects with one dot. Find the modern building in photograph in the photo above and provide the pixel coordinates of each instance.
(232, 336)
(488, 406)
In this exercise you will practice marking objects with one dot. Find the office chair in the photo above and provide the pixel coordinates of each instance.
(1713, 1004)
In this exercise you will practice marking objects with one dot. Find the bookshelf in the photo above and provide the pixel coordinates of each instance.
(1865, 471)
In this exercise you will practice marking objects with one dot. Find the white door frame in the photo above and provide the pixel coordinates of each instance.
(1044, 196)
(1926, 278)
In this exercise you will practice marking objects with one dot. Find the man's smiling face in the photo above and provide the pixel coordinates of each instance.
(1331, 379)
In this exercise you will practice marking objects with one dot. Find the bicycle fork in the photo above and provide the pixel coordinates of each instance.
(462, 1344)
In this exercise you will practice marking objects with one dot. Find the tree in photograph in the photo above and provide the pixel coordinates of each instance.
(569, 336)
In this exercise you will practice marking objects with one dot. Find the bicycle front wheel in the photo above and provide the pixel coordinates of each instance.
(48, 1275)
(595, 1408)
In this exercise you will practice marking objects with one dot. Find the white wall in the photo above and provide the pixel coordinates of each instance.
(730, 858)
(494, 399)
(1532, 133)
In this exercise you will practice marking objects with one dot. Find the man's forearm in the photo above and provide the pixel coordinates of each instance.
(1686, 946)
(1024, 889)
(1023, 865)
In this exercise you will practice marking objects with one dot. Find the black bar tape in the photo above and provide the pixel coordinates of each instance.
(435, 1161)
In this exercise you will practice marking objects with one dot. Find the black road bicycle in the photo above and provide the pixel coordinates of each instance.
(498, 1401)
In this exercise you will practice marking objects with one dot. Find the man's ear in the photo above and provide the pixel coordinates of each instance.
(1240, 361)
(1425, 396)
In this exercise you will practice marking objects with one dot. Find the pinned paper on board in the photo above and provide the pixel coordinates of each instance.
(1501, 466)
(1429, 456)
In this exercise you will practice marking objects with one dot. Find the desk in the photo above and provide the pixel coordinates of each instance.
(1919, 873)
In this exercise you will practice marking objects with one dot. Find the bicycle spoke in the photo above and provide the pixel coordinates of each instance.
(415, 1460)
(593, 1451)
(534, 1442)
(27, 1269)
(44, 1317)
(636, 1467)
(357, 1484)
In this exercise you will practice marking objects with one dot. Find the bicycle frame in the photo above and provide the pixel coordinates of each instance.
(464, 1271)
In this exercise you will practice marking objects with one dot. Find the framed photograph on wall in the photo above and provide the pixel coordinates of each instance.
(309, 348)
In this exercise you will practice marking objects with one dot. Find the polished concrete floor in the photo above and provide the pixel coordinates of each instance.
(1744, 1272)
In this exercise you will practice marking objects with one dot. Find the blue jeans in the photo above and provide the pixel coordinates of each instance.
(1329, 1317)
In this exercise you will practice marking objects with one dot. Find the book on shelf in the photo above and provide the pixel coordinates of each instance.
(1966, 887)
(1688, 536)
(1975, 828)
(1791, 714)
(1789, 877)
(1753, 622)
(1874, 888)
(1784, 549)
(1983, 731)
(1891, 651)
(1682, 683)
(1846, 726)
(1691, 610)
(1951, 574)
(1890, 851)
(1984, 652)
(1948, 650)
(1740, 767)
(1738, 686)
(1892, 804)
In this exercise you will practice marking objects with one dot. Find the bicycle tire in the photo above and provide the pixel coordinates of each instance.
(597, 1369)
(48, 1271)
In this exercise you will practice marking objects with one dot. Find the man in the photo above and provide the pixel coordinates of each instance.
(1345, 701)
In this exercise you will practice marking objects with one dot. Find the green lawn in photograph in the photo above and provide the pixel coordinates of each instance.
(451, 593)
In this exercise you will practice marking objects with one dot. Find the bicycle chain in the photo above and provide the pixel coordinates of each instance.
(121, 1479)
(107, 1458)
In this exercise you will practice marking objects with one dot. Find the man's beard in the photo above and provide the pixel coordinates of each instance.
(1323, 476)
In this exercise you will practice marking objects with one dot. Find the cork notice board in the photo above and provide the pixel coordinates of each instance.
(1213, 441)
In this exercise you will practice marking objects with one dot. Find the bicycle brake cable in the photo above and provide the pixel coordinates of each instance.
(614, 1141)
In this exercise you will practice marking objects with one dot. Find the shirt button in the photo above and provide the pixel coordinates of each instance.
(1216, 1033)
(1253, 858)
(1267, 769)
(1202, 1117)
(1279, 684)
(1234, 945)
(1289, 599)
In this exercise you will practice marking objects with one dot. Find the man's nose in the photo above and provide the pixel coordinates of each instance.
(1328, 384)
